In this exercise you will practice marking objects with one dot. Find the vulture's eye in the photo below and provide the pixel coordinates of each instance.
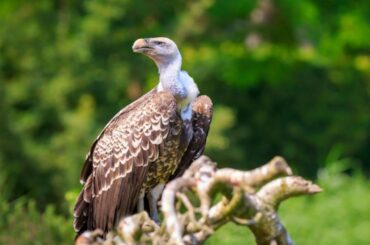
(159, 43)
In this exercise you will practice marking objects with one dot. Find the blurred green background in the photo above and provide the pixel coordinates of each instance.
(288, 78)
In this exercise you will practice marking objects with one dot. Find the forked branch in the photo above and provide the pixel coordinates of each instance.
(195, 205)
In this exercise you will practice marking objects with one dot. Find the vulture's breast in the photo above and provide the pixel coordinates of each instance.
(170, 153)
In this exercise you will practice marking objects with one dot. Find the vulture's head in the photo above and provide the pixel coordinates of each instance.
(160, 49)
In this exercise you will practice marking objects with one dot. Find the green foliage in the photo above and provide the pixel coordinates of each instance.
(291, 78)
(21, 223)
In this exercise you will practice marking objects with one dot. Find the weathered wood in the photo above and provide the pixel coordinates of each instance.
(190, 216)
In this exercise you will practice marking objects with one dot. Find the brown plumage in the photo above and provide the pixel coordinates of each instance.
(146, 143)
(202, 116)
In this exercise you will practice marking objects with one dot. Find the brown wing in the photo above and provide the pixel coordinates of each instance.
(87, 168)
(119, 161)
(202, 116)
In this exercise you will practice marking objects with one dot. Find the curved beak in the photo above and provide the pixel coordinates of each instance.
(142, 45)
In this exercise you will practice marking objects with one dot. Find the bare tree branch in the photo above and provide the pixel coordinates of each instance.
(192, 209)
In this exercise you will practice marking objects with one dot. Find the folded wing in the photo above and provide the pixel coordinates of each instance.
(118, 161)
(202, 116)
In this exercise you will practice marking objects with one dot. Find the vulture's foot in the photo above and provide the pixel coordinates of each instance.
(153, 197)
(140, 203)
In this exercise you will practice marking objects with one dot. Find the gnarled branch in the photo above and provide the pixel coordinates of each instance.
(192, 210)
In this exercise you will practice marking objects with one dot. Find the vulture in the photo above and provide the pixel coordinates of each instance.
(147, 143)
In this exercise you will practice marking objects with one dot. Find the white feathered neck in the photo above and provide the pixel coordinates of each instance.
(179, 83)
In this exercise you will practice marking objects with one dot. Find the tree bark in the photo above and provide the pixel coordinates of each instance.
(191, 213)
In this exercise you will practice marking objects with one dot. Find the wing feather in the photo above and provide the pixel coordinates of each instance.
(117, 164)
(87, 168)
(202, 116)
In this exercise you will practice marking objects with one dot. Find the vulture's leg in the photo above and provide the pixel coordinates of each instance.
(140, 202)
(153, 197)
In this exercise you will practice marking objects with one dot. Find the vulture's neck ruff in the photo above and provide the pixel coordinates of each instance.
(167, 57)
